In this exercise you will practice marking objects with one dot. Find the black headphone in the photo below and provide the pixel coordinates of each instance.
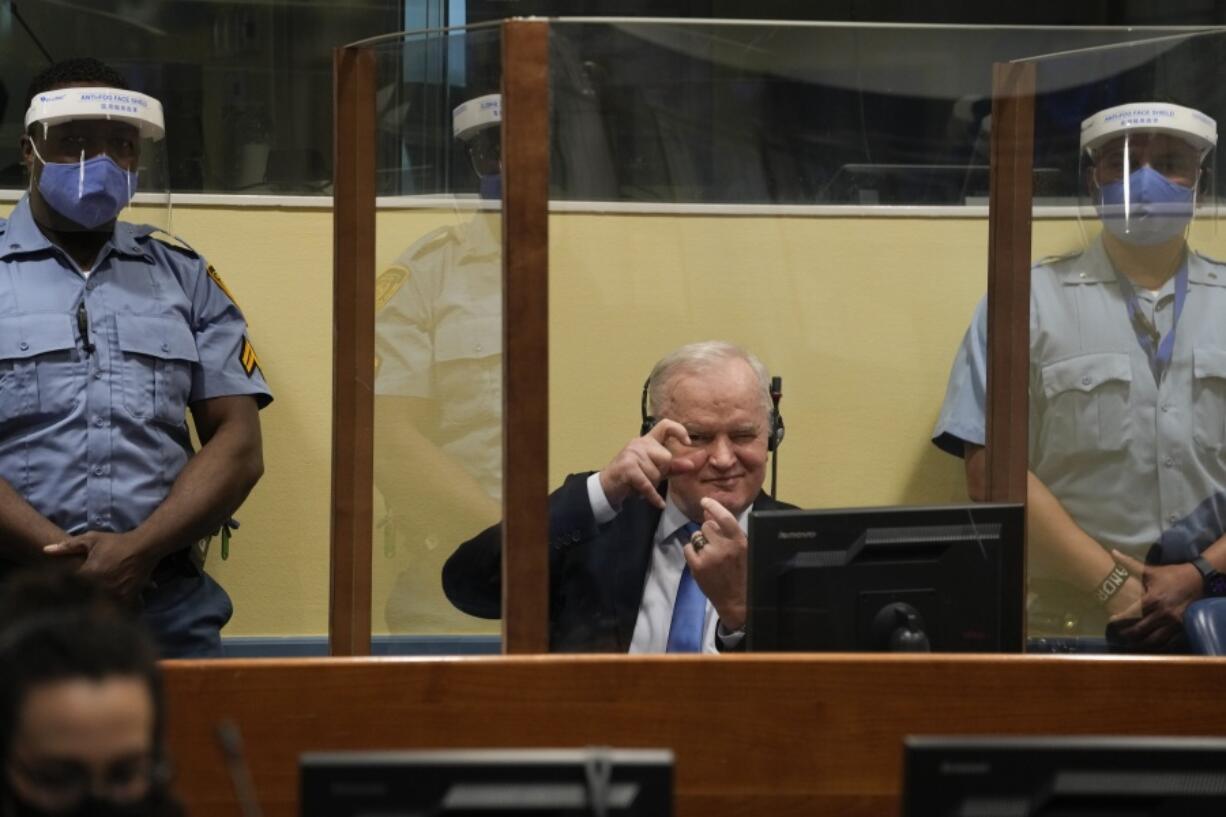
(775, 437)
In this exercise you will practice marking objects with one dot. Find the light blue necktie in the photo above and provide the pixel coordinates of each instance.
(689, 610)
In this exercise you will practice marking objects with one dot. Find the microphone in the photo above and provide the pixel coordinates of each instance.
(236, 765)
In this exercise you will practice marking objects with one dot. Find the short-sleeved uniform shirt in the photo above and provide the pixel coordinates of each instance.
(438, 336)
(97, 370)
(1134, 461)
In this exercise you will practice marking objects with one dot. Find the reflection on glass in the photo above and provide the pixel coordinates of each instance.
(438, 430)
(763, 113)
(438, 325)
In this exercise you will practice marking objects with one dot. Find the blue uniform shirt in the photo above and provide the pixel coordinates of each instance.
(1134, 461)
(93, 423)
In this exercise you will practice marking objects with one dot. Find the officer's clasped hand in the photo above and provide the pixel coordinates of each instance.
(116, 560)
(1169, 589)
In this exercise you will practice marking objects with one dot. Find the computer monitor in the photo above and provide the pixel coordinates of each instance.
(942, 579)
(1064, 777)
(488, 783)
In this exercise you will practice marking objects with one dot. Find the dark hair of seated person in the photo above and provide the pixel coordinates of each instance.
(62, 634)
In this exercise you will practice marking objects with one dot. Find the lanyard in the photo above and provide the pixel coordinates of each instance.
(1157, 349)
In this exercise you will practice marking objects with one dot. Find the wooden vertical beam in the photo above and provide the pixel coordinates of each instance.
(1011, 195)
(353, 349)
(525, 332)
(1007, 445)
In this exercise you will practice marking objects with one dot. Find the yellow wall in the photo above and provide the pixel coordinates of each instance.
(861, 316)
(278, 263)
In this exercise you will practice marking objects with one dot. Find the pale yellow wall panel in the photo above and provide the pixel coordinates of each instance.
(278, 263)
(861, 317)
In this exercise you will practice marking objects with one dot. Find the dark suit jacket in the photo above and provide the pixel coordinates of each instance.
(597, 573)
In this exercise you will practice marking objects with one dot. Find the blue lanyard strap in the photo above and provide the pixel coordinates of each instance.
(1158, 350)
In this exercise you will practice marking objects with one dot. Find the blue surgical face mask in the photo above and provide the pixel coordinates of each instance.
(1158, 208)
(91, 192)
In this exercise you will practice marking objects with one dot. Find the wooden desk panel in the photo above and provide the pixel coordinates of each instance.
(812, 735)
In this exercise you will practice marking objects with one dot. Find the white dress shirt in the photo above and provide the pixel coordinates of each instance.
(663, 577)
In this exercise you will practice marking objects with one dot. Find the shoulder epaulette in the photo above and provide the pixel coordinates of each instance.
(173, 242)
(1048, 260)
(399, 271)
(428, 242)
(1197, 253)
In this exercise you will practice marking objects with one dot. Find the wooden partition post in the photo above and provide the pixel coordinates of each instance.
(353, 338)
(1011, 197)
(525, 333)
(1007, 451)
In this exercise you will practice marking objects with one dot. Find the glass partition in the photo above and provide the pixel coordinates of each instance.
(724, 146)
(1126, 413)
(739, 112)
(814, 194)
(438, 328)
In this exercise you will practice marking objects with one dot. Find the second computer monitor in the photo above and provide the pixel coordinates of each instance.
(488, 783)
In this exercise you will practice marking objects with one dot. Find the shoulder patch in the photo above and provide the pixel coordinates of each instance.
(247, 357)
(222, 286)
(388, 284)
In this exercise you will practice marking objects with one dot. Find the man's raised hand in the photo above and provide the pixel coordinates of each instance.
(644, 463)
(719, 566)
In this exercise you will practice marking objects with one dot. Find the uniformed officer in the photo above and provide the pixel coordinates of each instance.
(108, 333)
(438, 429)
(1127, 393)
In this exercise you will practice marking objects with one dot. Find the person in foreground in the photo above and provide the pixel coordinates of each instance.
(1127, 483)
(109, 332)
(649, 553)
(82, 713)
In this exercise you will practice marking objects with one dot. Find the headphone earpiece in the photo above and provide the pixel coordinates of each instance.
(649, 422)
(777, 431)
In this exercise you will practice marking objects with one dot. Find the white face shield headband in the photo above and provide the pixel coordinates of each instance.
(91, 145)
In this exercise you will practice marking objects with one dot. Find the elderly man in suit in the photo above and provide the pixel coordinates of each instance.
(649, 553)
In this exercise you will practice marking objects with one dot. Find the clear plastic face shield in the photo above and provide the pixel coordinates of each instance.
(1147, 171)
(97, 156)
(477, 123)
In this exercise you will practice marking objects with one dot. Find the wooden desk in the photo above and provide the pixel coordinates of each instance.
(753, 735)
